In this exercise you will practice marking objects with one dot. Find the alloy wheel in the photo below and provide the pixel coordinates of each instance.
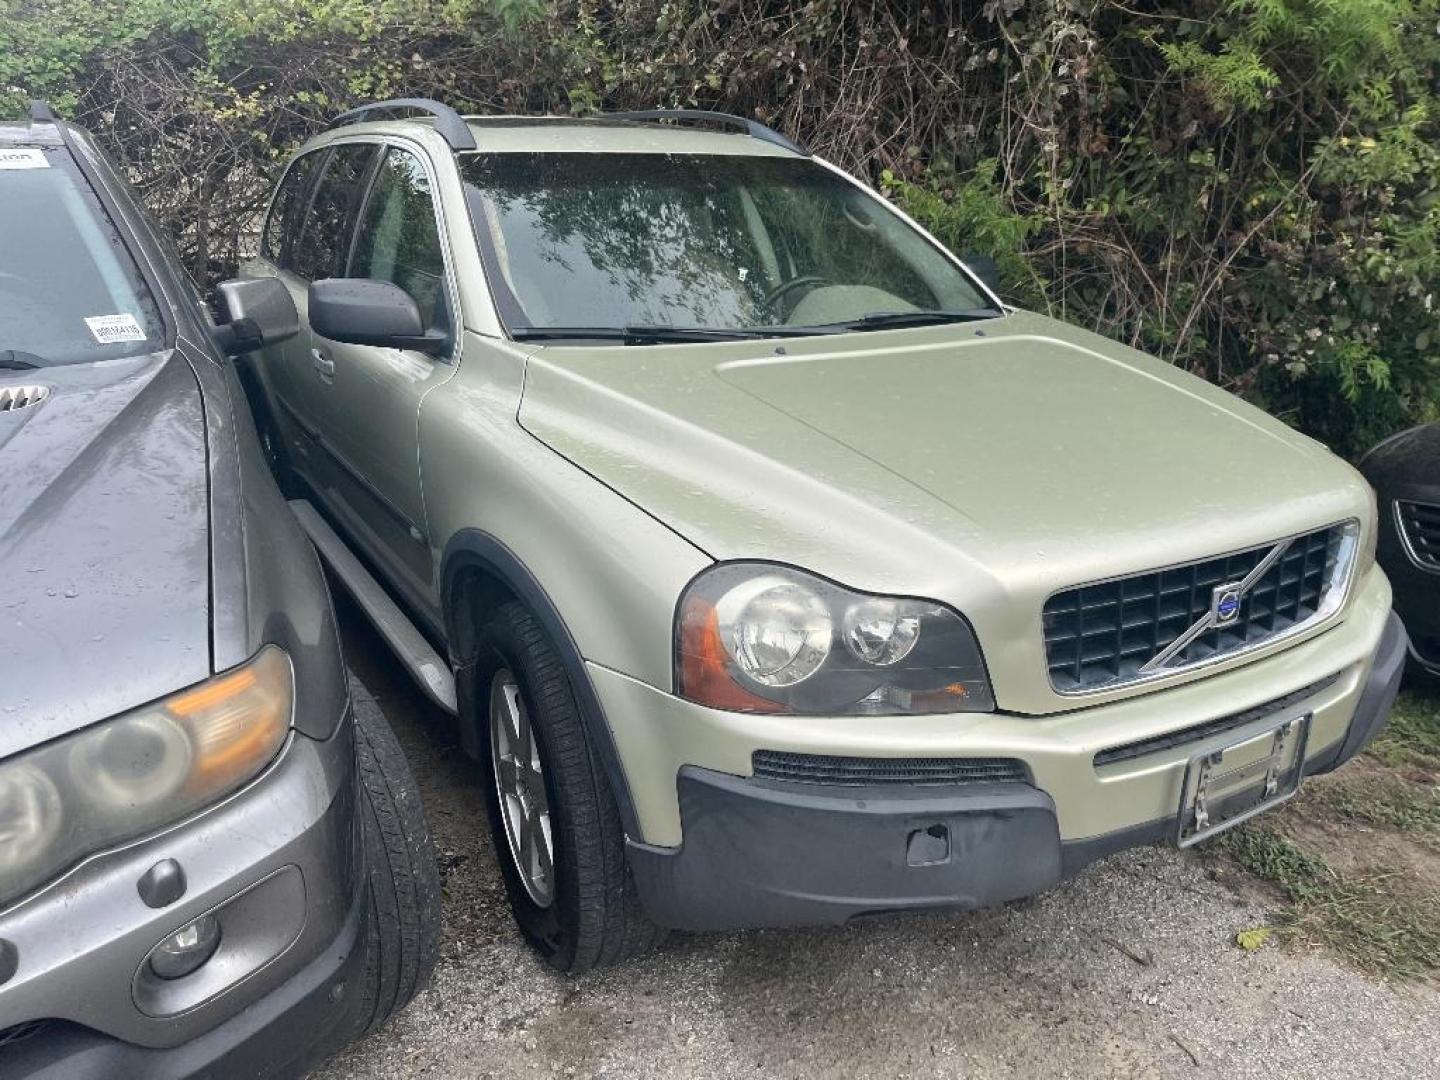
(520, 784)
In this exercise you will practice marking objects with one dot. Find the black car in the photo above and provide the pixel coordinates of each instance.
(1405, 472)
(208, 865)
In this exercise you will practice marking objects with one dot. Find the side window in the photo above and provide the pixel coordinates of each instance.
(319, 250)
(398, 239)
(284, 220)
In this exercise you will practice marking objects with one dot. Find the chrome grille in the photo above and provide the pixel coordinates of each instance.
(868, 772)
(1420, 526)
(1156, 623)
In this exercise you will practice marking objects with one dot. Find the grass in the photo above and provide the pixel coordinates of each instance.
(1393, 803)
(1383, 919)
(1413, 735)
(1364, 917)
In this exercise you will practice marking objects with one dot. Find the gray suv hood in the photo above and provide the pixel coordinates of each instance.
(104, 544)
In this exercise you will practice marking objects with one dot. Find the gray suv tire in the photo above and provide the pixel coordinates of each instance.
(403, 929)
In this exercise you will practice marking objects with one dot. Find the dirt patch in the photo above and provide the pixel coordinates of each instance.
(1353, 862)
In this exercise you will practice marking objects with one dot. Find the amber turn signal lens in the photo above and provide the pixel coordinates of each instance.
(704, 666)
(236, 721)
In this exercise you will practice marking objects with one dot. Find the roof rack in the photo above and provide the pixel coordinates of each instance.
(753, 128)
(448, 123)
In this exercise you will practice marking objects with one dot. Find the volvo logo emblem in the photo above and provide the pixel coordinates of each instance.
(1225, 604)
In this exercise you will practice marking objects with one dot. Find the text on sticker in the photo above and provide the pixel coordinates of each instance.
(111, 329)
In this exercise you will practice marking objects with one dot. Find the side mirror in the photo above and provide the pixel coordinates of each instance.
(984, 268)
(254, 312)
(360, 311)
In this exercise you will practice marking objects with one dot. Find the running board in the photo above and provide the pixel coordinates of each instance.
(427, 667)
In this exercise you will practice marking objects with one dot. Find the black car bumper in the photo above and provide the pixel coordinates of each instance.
(766, 853)
(1417, 596)
(1405, 469)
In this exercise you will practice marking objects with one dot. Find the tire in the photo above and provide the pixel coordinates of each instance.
(590, 915)
(403, 927)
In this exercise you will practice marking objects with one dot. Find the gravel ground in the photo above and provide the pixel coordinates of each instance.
(1128, 970)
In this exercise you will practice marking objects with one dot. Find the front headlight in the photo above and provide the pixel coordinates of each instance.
(752, 637)
(128, 776)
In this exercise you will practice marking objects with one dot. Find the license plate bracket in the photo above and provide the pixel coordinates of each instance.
(1229, 784)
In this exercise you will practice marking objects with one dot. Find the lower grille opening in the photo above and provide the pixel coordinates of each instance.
(868, 772)
(1170, 740)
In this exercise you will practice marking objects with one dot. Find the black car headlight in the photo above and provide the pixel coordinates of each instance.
(754, 637)
(130, 775)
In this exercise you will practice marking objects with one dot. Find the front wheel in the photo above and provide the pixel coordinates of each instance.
(553, 817)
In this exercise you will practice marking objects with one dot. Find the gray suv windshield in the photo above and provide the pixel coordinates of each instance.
(702, 241)
(69, 291)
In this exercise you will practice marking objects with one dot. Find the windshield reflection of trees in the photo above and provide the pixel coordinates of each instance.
(672, 237)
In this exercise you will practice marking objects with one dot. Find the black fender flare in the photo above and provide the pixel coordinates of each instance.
(474, 549)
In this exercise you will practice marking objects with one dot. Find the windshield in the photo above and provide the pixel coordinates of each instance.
(69, 291)
(725, 243)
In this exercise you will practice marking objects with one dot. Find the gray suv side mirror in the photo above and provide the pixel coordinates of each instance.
(254, 312)
(360, 311)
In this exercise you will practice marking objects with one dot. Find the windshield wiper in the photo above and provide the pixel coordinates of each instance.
(644, 334)
(878, 320)
(19, 360)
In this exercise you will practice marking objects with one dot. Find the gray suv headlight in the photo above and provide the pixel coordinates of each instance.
(129, 776)
(755, 637)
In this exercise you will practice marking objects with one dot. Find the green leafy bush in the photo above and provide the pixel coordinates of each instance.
(1248, 188)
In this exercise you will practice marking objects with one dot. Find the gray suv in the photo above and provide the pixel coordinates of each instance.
(207, 865)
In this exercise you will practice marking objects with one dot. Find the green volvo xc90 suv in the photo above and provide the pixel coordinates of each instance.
(776, 571)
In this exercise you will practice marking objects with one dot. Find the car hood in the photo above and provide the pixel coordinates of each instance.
(1022, 441)
(104, 544)
(986, 465)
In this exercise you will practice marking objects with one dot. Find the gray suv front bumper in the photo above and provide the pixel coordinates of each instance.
(286, 852)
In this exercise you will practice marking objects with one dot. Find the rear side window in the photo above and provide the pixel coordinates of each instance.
(319, 251)
(398, 239)
(289, 205)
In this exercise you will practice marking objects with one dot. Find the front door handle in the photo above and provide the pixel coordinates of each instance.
(323, 364)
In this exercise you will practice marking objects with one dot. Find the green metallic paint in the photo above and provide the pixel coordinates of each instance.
(984, 465)
(656, 733)
(986, 472)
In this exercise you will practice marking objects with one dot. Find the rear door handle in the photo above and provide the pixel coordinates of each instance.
(323, 364)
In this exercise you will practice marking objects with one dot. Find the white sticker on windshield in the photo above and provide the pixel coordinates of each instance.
(15, 157)
(109, 329)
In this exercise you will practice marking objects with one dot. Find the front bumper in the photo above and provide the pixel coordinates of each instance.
(282, 859)
(727, 850)
(765, 853)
